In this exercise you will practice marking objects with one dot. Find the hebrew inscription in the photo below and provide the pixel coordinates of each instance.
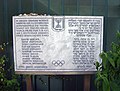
(60, 44)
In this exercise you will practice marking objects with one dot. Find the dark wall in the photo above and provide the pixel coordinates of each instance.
(110, 9)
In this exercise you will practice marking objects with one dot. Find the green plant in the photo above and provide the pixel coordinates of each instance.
(8, 80)
(108, 72)
(7, 83)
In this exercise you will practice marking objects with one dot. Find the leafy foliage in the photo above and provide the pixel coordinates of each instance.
(7, 83)
(108, 72)
(8, 80)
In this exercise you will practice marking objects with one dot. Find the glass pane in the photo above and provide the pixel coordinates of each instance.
(85, 7)
(113, 27)
(70, 7)
(56, 7)
(26, 6)
(99, 7)
(41, 6)
(114, 8)
(1, 22)
(11, 11)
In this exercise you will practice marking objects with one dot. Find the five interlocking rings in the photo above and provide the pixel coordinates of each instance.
(58, 62)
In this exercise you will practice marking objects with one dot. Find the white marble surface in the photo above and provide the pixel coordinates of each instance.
(57, 43)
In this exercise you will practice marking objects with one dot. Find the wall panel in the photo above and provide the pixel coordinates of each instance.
(110, 9)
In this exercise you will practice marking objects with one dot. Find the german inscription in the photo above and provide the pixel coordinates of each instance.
(57, 44)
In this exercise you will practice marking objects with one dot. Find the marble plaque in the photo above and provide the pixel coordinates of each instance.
(57, 44)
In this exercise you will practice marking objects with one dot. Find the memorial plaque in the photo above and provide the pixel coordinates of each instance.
(57, 44)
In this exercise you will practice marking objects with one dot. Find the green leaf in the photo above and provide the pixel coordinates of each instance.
(114, 47)
(118, 62)
(98, 83)
(106, 85)
(97, 64)
(97, 80)
(114, 86)
(119, 51)
(118, 34)
(103, 55)
(112, 62)
(115, 55)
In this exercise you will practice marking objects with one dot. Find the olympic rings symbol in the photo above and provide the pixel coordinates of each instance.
(58, 63)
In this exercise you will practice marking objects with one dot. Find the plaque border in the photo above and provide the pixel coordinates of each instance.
(53, 71)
